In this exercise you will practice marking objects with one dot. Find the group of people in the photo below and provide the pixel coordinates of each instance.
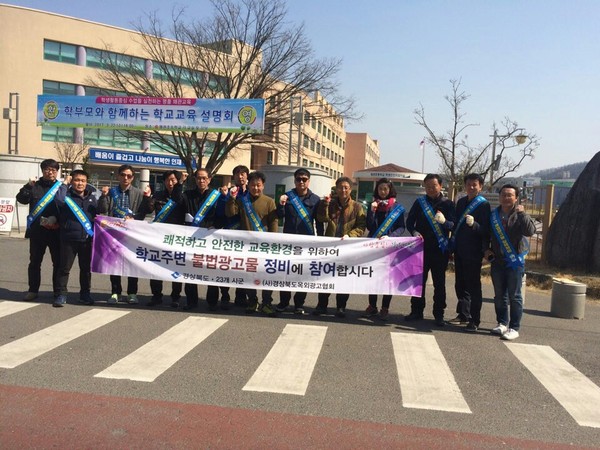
(62, 214)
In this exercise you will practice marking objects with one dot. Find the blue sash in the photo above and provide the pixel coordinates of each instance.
(302, 211)
(83, 219)
(467, 212)
(513, 259)
(44, 201)
(165, 211)
(208, 203)
(390, 219)
(251, 213)
(442, 240)
(116, 211)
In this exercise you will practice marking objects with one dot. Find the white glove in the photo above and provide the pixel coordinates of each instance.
(188, 218)
(51, 220)
(469, 220)
(383, 237)
(374, 206)
(233, 191)
(283, 200)
(417, 234)
(439, 218)
(345, 237)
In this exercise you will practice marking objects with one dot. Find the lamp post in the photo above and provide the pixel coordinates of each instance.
(520, 138)
(295, 119)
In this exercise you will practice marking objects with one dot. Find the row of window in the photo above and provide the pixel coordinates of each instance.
(323, 129)
(320, 149)
(334, 174)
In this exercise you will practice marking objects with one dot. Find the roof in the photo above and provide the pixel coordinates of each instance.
(388, 168)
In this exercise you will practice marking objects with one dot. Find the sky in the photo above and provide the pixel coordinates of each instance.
(534, 61)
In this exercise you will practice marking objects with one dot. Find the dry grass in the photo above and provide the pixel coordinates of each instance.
(540, 276)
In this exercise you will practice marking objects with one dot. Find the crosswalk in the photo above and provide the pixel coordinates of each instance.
(425, 378)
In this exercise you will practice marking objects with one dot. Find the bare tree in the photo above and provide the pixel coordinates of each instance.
(72, 153)
(459, 158)
(246, 49)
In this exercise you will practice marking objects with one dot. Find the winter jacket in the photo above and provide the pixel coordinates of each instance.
(342, 220)
(293, 223)
(417, 221)
(519, 226)
(471, 242)
(70, 227)
(31, 195)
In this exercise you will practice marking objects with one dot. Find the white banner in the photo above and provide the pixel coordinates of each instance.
(258, 260)
(7, 211)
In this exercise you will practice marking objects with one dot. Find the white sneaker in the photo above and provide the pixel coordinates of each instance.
(500, 329)
(114, 298)
(510, 335)
(132, 299)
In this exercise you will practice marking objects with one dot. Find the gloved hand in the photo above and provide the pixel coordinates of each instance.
(345, 237)
(469, 220)
(374, 206)
(283, 200)
(439, 218)
(417, 234)
(188, 218)
(383, 237)
(233, 191)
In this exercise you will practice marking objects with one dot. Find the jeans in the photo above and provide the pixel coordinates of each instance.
(507, 291)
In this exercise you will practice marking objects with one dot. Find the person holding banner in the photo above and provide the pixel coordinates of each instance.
(42, 226)
(510, 225)
(432, 217)
(76, 212)
(298, 209)
(257, 212)
(165, 204)
(385, 218)
(470, 239)
(126, 202)
(240, 178)
(345, 218)
(199, 207)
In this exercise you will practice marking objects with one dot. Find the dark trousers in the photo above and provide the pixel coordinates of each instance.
(37, 249)
(191, 293)
(265, 294)
(340, 300)
(385, 302)
(116, 288)
(240, 294)
(156, 286)
(286, 296)
(436, 261)
(68, 251)
(468, 288)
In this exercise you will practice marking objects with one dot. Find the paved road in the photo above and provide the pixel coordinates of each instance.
(122, 376)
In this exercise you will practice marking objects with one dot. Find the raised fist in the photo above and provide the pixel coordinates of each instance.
(283, 199)
(374, 206)
(439, 218)
(469, 220)
(233, 191)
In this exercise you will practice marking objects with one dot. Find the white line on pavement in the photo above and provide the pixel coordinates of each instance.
(25, 349)
(426, 381)
(573, 390)
(7, 308)
(290, 363)
(149, 361)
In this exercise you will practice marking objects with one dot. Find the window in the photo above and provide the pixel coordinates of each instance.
(312, 144)
(57, 134)
(61, 52)
(106, 137)
(319, 125)
(58, 88)
(305, 141)
(325, 131)
(318, 148)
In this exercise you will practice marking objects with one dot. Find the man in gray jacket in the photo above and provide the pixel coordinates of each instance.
(127, 202)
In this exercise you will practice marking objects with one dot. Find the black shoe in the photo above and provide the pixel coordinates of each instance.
(471, 327)
(213, 307)
(155, 300)
(225, 305)
(239, 301)
(174, 304)
(319, 311)
(413, 316)
(190, 306)
(340, 312)
(86, 299)
(458, 320)
(282, 307)
(439, 321)
(299, 311)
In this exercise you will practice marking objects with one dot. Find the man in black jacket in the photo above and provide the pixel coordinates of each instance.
(76, 213)
(42, 226)
(432, 216)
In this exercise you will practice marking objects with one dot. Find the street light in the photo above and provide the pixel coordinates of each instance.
(519, 138)
(295, 119)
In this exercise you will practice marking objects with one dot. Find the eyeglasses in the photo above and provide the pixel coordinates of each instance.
(301, 180)
(202, 178)
(50, 169)
(126, 175)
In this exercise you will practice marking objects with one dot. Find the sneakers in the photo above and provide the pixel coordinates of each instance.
(500, 329)
(132, 299)
(267, 309)
(30, 296)
(383, 314)
(510, 335)
(299, 311)
(370, 311)
(440, 322)
(340, 312)
(282, 307)
(251, 306)
(458, 320)
(62, 300)
(413, 316)
(319, 311)
(114, 298)
(471, 327)
(86, 299)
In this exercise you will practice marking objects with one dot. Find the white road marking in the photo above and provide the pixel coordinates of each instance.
(573, 390)
(290, 363)
(149, 361)
(426, 381)
(25, 349)
(7, 308)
